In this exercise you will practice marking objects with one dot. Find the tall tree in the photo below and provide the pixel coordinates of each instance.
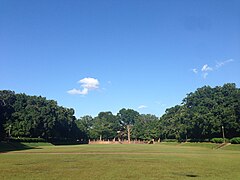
(203, 113)
(127, 118)
(85, 124)
(146, 127)
(7, 100)
(35, 116)
(105, 126)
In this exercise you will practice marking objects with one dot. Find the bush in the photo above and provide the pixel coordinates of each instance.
(235, 140)
(170, 140)
(198, 140)
(218, 140)
(26, 139)
(66, 141)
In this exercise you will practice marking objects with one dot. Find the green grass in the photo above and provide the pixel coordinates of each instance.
(118, 162)
(203, 145)
(37, 144)
(234, 147)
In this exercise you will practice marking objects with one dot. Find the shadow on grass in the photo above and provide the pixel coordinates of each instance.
(67, 142)
(186, 175)
(12, 146)
(191, 175)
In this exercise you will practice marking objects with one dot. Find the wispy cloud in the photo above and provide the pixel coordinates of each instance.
(195, 70)
(222, 63)
(142, 107)
(206, 69)
(87, 85)
(205, 75)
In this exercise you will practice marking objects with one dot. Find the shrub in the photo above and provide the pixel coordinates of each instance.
(218, 140)
(26, 139)
(235, 140)
(170, 140)
(198, 140)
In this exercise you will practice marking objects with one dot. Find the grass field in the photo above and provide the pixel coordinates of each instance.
(110, 162)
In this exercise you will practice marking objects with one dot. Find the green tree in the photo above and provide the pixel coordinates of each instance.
(85, 124)
(127, 118)
(146, 127)
(203, 113)
(35, 116)
(105, 126)
(7, 100)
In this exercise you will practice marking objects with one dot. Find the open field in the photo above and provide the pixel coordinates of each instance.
(158, 161)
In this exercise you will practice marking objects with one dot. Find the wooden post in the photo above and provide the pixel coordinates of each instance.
(223, 134)
(128, 130)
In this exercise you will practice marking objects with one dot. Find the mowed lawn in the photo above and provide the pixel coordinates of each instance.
(110, 162)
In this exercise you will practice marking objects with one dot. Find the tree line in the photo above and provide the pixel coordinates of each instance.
(203, 114)
(22, 115)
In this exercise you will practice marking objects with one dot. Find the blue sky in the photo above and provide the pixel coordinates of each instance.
(98, 56)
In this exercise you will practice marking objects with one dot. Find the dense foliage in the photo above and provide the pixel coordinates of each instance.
(219, 140)
(235, 140)
(35, 117)
(107, 126)
(204, 114)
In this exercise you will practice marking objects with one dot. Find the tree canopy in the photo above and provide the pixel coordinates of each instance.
(32, 116)
(203, 114)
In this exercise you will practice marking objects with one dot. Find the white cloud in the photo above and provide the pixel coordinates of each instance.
(222, 63)
(206, 68)
(87, 84)
(195, 70)
(78, 91)
(205, 75)
(142, 107)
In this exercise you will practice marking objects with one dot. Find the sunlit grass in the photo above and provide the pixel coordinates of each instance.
(159, 161)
